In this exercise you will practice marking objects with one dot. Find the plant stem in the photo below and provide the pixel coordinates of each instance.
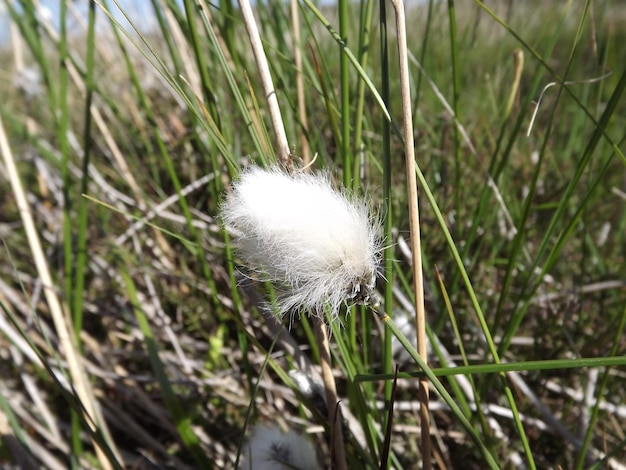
(418, 281)
(337, 450)
(268, 86)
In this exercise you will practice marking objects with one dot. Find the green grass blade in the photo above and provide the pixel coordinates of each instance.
(181, 419)
(503, 367)
(441, 390)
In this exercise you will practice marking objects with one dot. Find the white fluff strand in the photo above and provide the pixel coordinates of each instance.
(270, 449)
(319, 246)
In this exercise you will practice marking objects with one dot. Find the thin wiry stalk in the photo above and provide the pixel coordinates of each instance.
(475, 396)
(479, 314)
(489, 459)
(518, 61)
(346, 50)
(337, 450)
(200, 62)
(364, 46)
(388, 255)
(503, 367)
(304, 150)
(284, 152)
(346, 151)
(418, 280)
(455, 104)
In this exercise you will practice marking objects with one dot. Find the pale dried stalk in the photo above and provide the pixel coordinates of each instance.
(297, 56)
(284, 154)
(418, 281)
(81, 384)
(337, 449)
(268, 86)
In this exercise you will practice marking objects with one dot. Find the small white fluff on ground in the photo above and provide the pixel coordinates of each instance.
(318, 245)
(270, 449)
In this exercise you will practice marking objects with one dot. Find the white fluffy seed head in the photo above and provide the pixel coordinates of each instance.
(270, 449)
(319, 246)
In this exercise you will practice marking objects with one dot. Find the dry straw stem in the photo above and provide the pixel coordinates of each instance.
(81, 384)
(297, 55)
(337, 449)
(321, 332)
(418, 282)
(268, 85)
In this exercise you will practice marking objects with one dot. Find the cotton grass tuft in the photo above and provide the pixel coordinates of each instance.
(271, 449)
(319, 246)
